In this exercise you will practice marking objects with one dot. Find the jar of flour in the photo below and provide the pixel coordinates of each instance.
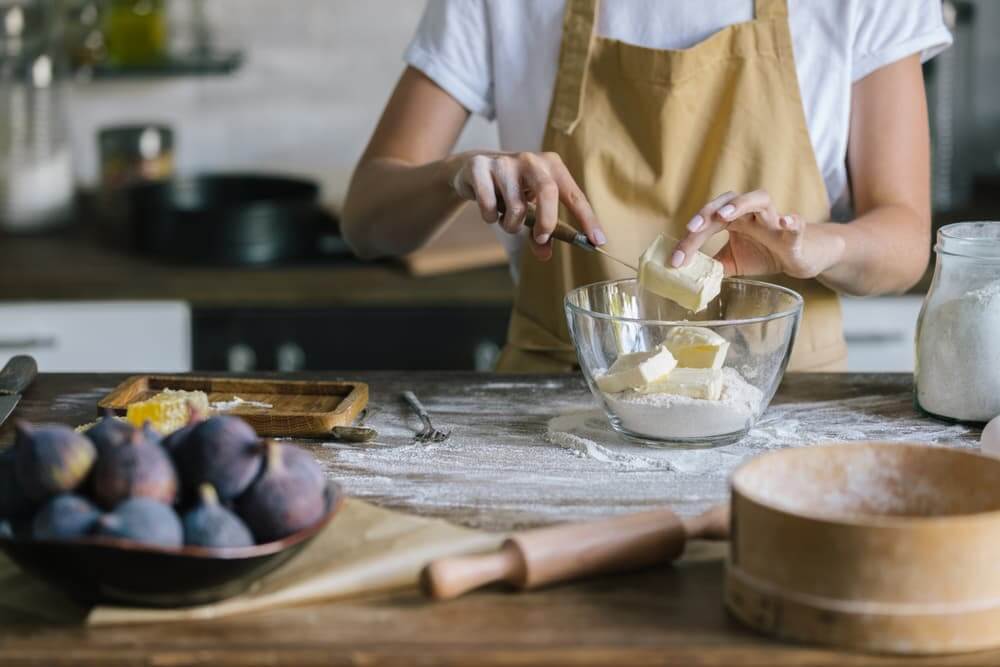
(958, 334)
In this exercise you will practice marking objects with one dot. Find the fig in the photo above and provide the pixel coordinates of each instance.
(151, 434)
(172, 441)
(13, 501)
(136, 467)
(109, 432)
(65, 517)
(287, 496)
(210, 524)
(223, 451)
(301, 462)
(51, 459)
(143, 520)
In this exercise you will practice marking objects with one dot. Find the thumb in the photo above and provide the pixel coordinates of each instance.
(725, 256)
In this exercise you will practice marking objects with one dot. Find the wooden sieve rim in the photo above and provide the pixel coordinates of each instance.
(738, 487)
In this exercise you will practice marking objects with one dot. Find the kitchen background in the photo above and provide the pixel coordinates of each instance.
(295, 89)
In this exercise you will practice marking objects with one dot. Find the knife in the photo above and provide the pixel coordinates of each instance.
(564, 232)
(14, 379)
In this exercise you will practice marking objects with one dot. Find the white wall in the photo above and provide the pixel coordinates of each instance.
(316, 77)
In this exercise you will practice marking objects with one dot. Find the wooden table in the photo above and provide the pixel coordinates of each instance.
(668, 615)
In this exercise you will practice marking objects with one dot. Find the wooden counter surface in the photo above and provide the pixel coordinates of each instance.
(667, 615)
(73, 266)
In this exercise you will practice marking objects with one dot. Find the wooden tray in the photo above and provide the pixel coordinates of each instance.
(878, 546)
(301, 408)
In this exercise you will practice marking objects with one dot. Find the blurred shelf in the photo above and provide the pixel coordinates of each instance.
(193, 64)
(74, 265)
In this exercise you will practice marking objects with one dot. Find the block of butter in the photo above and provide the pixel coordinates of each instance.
(692, 286)
(697, 347)
(703, 383)
(636, 369)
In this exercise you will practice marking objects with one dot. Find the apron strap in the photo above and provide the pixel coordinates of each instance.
(579, 23)
(770, 9)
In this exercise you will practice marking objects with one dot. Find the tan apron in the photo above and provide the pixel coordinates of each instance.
(651, 136)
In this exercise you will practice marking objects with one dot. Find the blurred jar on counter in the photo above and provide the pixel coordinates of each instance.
(36, 172)
(135, 32)
(132, 153)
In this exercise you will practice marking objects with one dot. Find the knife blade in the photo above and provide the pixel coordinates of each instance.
(15, 377)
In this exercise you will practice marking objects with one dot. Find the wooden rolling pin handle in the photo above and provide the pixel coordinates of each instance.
(448, 578)
(713, 524)
(549, 555)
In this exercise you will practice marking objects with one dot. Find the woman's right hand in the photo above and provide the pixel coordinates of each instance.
(505, 184)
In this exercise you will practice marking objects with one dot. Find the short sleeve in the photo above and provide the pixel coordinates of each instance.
(889, 30)
(452, 47)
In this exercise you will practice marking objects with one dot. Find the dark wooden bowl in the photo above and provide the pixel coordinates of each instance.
(110, 570)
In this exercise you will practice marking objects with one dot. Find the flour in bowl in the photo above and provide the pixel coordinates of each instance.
(674, 417)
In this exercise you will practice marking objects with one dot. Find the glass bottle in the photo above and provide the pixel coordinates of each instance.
(958, 334)
(136, 32)
(36, 173)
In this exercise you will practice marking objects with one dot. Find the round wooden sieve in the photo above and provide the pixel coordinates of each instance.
(888, 547)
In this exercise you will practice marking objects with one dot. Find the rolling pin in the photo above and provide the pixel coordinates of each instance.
(545, 556)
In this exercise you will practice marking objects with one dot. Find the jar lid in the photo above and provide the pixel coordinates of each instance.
(978, 240)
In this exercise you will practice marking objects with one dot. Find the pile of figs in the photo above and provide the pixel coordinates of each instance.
(212, 484)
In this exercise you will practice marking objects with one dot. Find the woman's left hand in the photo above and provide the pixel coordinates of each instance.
(762, 241)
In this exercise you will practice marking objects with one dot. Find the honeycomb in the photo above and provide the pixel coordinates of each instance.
(169, 410)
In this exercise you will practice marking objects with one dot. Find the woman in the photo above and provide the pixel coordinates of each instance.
(799, 112)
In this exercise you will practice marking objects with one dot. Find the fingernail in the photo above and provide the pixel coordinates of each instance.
(727, 211)
(787, 222)
(677, 258)
(542, 239)
(599, 237)
(697, 222)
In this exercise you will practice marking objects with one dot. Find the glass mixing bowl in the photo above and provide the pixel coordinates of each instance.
(759, 321)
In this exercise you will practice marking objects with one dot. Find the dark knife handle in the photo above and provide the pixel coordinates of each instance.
(17, 374)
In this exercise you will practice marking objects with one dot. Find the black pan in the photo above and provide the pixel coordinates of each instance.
(229, 218)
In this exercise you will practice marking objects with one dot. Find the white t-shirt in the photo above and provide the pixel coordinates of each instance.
(498, 58)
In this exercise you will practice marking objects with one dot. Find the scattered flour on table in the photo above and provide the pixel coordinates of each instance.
(75, 400)
(511, 465)
(959, 356)
(587, 434)
(670, 416)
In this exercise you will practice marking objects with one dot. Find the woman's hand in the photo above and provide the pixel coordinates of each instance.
(762, 241)
(506, 185)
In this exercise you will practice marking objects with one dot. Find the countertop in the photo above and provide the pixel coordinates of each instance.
(73, 265)
(497, 471)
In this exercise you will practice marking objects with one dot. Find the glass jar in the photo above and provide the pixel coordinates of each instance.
(958, 334)
(36, 172)
(132, 153)
(135, 32)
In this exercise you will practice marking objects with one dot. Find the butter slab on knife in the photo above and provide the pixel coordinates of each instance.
(692, 286)
(697, 347)
(636, 369)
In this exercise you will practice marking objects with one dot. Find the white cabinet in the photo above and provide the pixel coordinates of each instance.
(880, 332)
(96, 336)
